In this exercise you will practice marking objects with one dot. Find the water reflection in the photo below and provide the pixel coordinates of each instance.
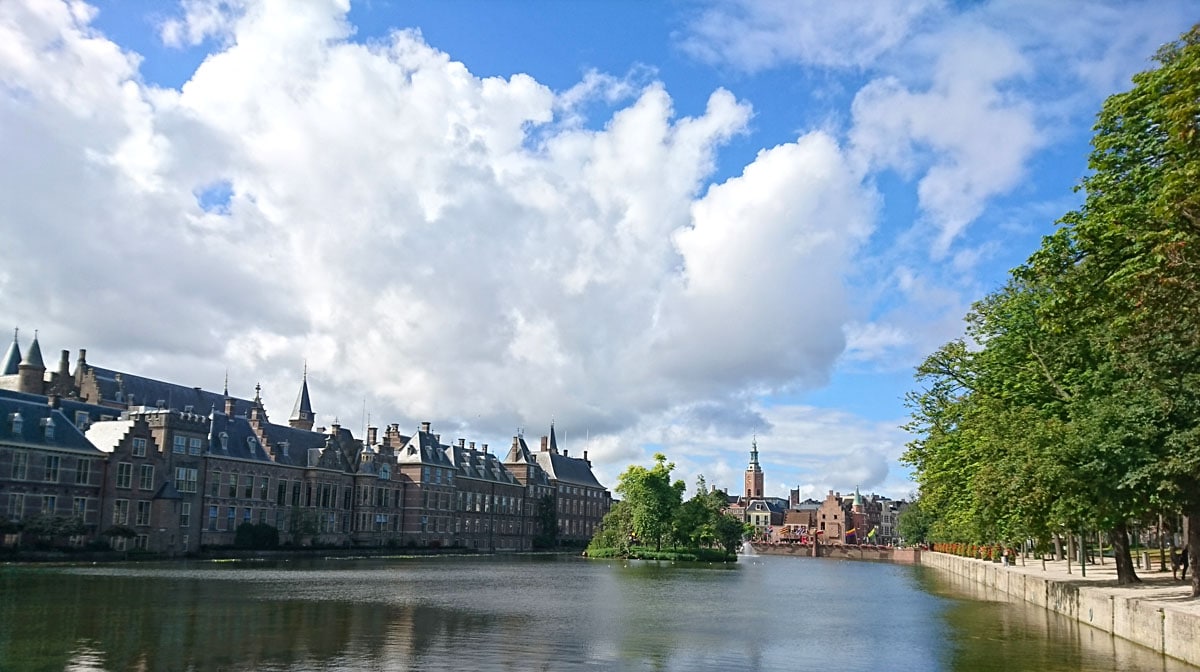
(764, 613)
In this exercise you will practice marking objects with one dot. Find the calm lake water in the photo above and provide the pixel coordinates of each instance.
(532, 613)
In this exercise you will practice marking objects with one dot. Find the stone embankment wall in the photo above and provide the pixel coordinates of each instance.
(1117, 610)
(901, 555)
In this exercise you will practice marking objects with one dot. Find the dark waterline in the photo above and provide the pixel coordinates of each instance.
(540, 613)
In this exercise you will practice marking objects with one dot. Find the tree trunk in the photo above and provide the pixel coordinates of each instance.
(1126, 572)
(1191, 524)
(1058, 551)
(1162, 549)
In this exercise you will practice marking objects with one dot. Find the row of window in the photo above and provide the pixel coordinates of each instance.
(51, 468)
(21, 505)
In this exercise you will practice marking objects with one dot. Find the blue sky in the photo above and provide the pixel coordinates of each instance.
(664, 226)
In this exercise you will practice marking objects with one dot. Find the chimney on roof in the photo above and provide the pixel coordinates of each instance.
(472, 445)
(462, 443)
(545, 443)
(372, 435)
(566, 453)
(64, 365)
(425, 426)
(53, 401)
(585, 458)
(485, 450)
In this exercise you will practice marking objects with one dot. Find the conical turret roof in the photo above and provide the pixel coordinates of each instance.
(303, 409)
(34, 356)
(12, 358)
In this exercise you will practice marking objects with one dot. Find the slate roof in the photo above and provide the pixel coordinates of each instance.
(423, 448)
(34, 356)
(34, 416)
(149, 392)
(474, 463)
(12, 359)
(573, 470)
(235, 438)
(303, 408)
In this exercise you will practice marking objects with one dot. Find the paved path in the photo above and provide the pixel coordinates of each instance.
(1157, 587)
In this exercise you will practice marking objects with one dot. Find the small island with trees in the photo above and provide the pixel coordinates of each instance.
(652, 521)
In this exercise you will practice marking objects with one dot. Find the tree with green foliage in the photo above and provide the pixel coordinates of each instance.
(547, 523)
(913, 523)
(652, 497)
(1074, 402)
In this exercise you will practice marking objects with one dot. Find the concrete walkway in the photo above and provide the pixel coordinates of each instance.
(1158, 613)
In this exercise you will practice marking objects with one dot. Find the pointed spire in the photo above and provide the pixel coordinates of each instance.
(226, 383)
(12, 359)
(754, 454)
(302, 414)
(33, 358)
(553, 441)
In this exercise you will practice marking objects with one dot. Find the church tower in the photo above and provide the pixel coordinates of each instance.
(754, 474)
(302, 415)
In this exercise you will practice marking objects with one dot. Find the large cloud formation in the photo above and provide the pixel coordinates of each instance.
(449, 247)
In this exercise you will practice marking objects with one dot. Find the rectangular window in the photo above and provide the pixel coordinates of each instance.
(214, 484)
(142, 541)
(121, 512)
(281, 493)
(82, 420)
(124, 475)
(186, 479)
(212, 518)
(83, 471)
(49, 503)
(247, 515)
(425, 475)
(264, 487)
(139, 447)
(143, 513)
(146, 477)
(232, 483)
(79, 507)
(296, 493)
(20, 465)
(53, 462)
(248, 486)
(179, 445)
(230, 516)
(185, 514)
(16, 507)
(193, 446)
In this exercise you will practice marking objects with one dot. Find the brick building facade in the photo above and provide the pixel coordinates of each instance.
(167, 468)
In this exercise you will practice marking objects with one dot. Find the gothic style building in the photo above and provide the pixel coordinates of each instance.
(171, 469)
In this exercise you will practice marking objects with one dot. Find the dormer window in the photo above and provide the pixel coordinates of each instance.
(224, 436)
(17, 422)
(48, 428)
(284, 446)
(252, 443)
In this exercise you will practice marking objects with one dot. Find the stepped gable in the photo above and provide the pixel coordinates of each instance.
(117, 386)
(107, 435)
(24, 422)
